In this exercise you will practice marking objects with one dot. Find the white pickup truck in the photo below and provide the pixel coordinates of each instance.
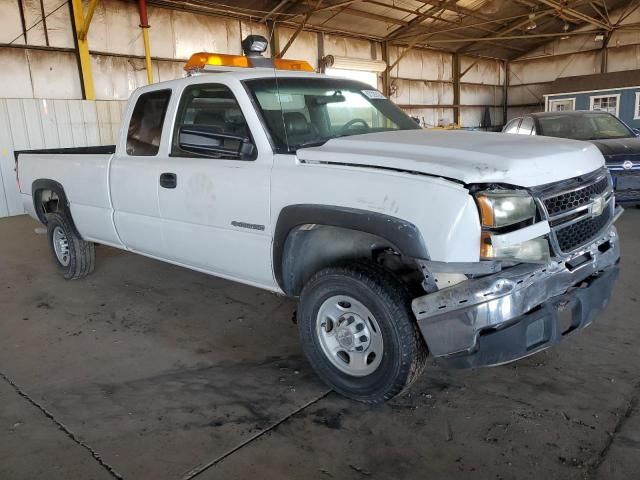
(476, 248)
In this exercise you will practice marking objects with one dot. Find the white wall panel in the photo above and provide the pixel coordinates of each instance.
(38, 73)
(481, 70)
(304, 48)
(116, 77)
(33, 21)
(432, 117)
(46, 123)
(59, 31)
(550, 68)
(169, 70)
(115, 28)
(59, 26)
(421, 92)
(473, 116)
(347, 47)
(480, 94)
(526, 94)
(15, 78)
(54, 74)
(624, 58)
(420, 64)
(11, 25)
(197, 33)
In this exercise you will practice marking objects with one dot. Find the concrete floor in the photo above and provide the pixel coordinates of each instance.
(149, 371)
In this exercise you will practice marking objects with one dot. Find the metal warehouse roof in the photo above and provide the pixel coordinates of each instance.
(493, 28)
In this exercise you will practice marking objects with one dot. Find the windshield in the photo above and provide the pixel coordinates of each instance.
(586, 126)
(304, 112)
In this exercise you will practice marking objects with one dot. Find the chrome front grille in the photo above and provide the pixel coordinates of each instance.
(578, 210)
(573, 199)
(577, 234)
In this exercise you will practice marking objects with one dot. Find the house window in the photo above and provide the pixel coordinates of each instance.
(562, 105)
(636, 115)
(606, 103)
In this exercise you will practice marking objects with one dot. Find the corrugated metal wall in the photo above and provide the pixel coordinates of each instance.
(423, 77)
(50, 123)
(482, 84)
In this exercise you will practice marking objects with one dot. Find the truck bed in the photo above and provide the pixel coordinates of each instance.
(83, 173)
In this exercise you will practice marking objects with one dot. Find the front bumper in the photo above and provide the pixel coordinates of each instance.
(520, 311)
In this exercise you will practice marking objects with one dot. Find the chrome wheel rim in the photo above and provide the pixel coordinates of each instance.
(349, 335)
(61, 246)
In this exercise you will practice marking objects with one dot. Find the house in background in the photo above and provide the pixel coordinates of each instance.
(615, 92)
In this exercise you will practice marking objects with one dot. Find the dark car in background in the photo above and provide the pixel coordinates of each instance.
(619, 144)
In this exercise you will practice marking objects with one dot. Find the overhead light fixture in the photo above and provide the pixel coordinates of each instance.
(565, 29)
(490, 7)
(531, 24)
(599, 37)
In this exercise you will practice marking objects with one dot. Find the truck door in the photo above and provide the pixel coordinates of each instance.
(215, 201)
(134, 174)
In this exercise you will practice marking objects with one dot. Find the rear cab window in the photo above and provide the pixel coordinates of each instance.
(145, 125)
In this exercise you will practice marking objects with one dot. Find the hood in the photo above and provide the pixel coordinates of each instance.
(618, 146)
(470, 157)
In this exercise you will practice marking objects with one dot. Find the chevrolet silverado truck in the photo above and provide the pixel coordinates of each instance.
(477, 249)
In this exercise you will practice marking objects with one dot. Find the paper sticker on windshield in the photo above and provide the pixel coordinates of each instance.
(373, 94)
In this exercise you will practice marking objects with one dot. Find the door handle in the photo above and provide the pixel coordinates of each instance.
(168, 180)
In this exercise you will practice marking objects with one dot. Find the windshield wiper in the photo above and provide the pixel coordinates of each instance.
(310, 143)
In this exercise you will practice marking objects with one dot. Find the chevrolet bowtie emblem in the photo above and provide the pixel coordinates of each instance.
(597, 206)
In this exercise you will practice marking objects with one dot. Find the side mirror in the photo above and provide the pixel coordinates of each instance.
(416, 119)
(207, 140)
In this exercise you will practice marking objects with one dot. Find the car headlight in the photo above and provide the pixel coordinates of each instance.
(535, 250)
(501, 208)
(504, 208)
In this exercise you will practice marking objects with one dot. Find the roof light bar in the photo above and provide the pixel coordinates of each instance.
(199, 61)
(253, 46)
(299, 65)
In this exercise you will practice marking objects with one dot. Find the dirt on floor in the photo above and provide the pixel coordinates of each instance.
(149, 371)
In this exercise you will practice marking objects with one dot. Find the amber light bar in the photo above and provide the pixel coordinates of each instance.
(201, 60)
(300, 65)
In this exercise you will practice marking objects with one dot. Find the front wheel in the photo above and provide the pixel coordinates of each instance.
(358, 332)
(74, 256)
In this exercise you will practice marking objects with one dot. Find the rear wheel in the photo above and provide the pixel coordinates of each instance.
(358, 331)
(74, 256)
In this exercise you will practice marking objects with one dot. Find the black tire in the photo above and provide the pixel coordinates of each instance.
(405, 354)
(81, 254)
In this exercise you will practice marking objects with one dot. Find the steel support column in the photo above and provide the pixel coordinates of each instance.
(505, 92)
(144, 25)
(456, 88)
(82, 24)
(386, 75)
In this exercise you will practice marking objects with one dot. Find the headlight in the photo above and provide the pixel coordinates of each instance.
(534, 250)
(500, 208)
(503, 208)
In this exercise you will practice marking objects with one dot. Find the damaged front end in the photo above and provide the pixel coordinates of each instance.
(496, 318)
